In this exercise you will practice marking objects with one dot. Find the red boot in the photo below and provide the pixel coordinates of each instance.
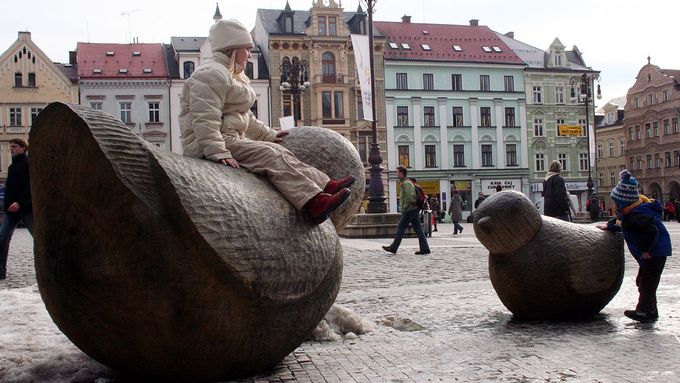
(323, 204)
(333, 186)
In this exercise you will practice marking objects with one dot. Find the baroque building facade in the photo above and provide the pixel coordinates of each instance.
(549, 105)
(455, 110)
(29, 81)
(651, 123)
(327, 91)
(611, 149)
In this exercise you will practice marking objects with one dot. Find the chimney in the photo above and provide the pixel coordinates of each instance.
(406, 19)
(474, 23)
(72, 57)
(510, 34)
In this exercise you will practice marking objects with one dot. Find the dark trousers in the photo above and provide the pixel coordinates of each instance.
(9, 222)
(647, 282)
(457, 227)
(410, 217)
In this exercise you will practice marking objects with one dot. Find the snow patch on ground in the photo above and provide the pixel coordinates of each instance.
(338, 322)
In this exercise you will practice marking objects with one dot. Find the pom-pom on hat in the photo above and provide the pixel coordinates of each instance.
(626, 191)
(229, 34)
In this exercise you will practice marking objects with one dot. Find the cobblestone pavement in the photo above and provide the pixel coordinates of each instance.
(456, 329)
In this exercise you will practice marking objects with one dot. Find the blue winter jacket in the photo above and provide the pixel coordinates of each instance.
(643, 231)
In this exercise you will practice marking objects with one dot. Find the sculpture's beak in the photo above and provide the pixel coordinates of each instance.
(486, 224)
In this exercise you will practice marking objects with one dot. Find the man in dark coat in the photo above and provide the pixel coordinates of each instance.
(17, 203)
(555, 196)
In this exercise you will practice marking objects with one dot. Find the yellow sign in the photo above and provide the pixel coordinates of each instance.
(429, 187)
(571, 130)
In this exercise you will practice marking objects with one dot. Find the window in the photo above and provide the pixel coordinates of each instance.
(96, 105)
(458, 155)
(456, 82)
(15, 117)
(666, 127)
(540, 162)
(651, 99)
(404, 155)
(558, 59)
(402, 81)
(674, 123)
(562, 157)
(34, 114)
(638, 159)
(612, 178)
(600, 151)
(291, 106)
(332, 28)
(31, 80)
(328, 67)
(655, 128)
(430, 156)
(250, 70)
(510, 117)
(648, 130)
(583, 161)
(360, 106)
(511, 154)
(457, 116)
(536, 95)
(658, 162)
(405, 46)
(322, 25)
(428, 116)
(402, 116)
(428, 81)
(582, 122)
(676, 155)
(632, 163)
(649, 161)
(126, 112)
(364, 145)
(18, 80)
(394, 46)
(559, 94)
(558, 123)
(611, 149)
(154, 111)
(332, 105)
(485, 116)
(509, 83)
(189, 68)
(538, 127)
(457, 48)
(487, 155)
(638, 135)
(622, 146)
(666, 98)
(426, 47)
(484, 83)
(631, 134)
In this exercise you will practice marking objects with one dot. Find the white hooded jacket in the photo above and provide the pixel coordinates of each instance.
(216, 111)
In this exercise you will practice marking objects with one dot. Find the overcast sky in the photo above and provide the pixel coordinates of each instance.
(615, 36)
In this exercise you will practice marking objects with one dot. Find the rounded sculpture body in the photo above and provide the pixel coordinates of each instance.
(175, 268)
(545, 268)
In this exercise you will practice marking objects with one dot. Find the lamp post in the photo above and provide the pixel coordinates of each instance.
(584, 83)
(376, 191)
(294, 79)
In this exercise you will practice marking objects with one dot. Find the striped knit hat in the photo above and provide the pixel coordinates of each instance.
(626, 191)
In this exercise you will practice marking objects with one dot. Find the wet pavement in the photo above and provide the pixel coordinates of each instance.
(437, 318)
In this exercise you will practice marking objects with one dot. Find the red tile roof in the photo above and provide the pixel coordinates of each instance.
(127, 61)
(441, 38)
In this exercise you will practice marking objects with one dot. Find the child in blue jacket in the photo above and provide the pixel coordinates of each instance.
(647, 239)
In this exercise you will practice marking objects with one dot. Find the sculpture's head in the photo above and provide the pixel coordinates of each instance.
(506, 221)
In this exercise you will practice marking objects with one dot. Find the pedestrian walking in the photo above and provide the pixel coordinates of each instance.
(593, 207)
(480, 199)
(555, 197)
(647, 239)
(669, 210)
(17, 203)
(456, 212)
(436, 209)
(409, 215)
(218, 125)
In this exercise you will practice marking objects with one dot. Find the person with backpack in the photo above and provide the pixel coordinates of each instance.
(456, 212)
(409, 215)
(436, 209)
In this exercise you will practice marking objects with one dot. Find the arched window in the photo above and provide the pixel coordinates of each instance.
(189, 67)
(328, 67)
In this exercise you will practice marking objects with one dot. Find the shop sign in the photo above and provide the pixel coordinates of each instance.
(489, 186)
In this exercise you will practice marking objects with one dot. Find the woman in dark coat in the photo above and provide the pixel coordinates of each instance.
(555, 196)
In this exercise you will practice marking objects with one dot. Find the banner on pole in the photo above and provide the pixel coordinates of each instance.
(570, 130)
(362, 59)
(591, 145)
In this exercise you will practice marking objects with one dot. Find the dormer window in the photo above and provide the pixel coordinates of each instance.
(497, 49)
(110, 53)
(457, 48)
(122, 71)
(97, 70)
(136, 53)
(426, 47)
(405, 46)
(558, 59)
(394, 46)
(328, 26)
(486, 49)
(147, 70)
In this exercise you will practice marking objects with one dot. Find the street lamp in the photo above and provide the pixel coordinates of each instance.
(584, 83)
(376, 191)
(294, 79)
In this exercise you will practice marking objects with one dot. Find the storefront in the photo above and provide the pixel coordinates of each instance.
(578, 191)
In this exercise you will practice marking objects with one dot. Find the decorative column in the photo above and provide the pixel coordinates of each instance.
(443, 133)
(417, 133)
(474, 136)
(500, 142)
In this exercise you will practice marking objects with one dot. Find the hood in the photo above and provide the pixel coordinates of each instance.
(649, 208)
